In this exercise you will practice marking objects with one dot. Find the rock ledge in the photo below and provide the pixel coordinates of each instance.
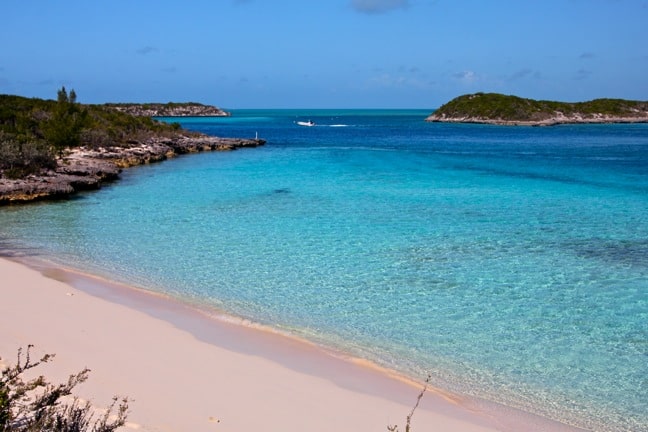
(84, 169)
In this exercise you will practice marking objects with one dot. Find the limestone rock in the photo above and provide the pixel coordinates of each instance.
(86, 169)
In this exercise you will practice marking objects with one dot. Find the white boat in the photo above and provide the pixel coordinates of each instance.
(306, 123)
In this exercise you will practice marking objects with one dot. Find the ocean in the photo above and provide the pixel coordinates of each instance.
(509, 263)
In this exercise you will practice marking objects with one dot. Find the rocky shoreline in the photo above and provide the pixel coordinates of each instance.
(551, 121)
(82, 169)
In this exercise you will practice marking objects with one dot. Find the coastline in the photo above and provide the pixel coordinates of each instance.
(84, 169)
(186, 369)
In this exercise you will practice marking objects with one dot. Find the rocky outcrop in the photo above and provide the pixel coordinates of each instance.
(84, 169)
(189, 109)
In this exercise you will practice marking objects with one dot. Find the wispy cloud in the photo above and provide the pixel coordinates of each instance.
(387, 80)
(582, 74)
(146, 50)
(411, 70)
(521, 74)
(467, 77)
(378, 6)
(587, 55)
(400, 80)
(524, 74)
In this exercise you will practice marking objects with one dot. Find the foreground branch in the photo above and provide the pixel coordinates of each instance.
(37, 405)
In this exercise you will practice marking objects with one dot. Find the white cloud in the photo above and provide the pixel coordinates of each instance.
(467, 77)
(378, 6)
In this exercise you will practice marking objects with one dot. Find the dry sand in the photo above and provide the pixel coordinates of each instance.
(186, 371)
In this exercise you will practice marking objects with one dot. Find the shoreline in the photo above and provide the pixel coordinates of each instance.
(303, 364)
(83, 169)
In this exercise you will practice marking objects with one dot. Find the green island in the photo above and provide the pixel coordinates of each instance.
(51, 149)
(495, 108)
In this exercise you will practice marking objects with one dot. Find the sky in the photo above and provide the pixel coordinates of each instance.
(323, 53)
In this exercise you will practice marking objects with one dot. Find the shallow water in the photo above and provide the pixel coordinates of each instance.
(511, 263)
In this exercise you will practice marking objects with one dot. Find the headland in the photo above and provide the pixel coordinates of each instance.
(54, 149)
(82, 168)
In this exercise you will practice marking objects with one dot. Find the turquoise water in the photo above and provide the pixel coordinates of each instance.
(511, 263)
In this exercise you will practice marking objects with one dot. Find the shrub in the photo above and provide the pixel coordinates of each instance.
(19, 158)
(37, 405)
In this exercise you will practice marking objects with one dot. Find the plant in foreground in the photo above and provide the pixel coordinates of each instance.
(394, 428)
(37, 405)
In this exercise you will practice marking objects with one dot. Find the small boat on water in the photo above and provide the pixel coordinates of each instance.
(306, 123)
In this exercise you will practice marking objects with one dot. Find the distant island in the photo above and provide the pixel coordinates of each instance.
(171, 109)
(51, 149)
(499, 109)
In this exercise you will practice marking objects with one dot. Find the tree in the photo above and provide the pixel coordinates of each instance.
(64, 127)
(37, 405)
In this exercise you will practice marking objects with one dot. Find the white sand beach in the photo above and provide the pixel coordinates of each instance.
(187, 371)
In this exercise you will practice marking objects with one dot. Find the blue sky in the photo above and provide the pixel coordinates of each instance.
(326, 53)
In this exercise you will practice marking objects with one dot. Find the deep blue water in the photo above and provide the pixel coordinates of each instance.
(511, 263)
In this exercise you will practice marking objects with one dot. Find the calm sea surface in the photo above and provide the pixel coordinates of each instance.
(511, 263)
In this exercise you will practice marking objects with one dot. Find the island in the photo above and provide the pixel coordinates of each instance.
(499, 109)
(171, 109)
(53, 149)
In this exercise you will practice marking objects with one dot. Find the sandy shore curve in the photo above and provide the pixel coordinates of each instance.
(185, 370)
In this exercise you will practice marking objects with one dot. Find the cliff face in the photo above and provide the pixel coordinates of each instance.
(170, 110)
(493, 108)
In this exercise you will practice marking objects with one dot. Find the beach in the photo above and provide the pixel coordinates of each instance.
(184, 370)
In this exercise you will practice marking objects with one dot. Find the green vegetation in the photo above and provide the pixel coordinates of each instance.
(157, 105)
(37, 405)
(34, 131)
(494, 106)
(63, 128)
(170, 109)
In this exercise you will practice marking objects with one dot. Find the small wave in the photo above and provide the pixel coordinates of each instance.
(610, 158)
(338, 125)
